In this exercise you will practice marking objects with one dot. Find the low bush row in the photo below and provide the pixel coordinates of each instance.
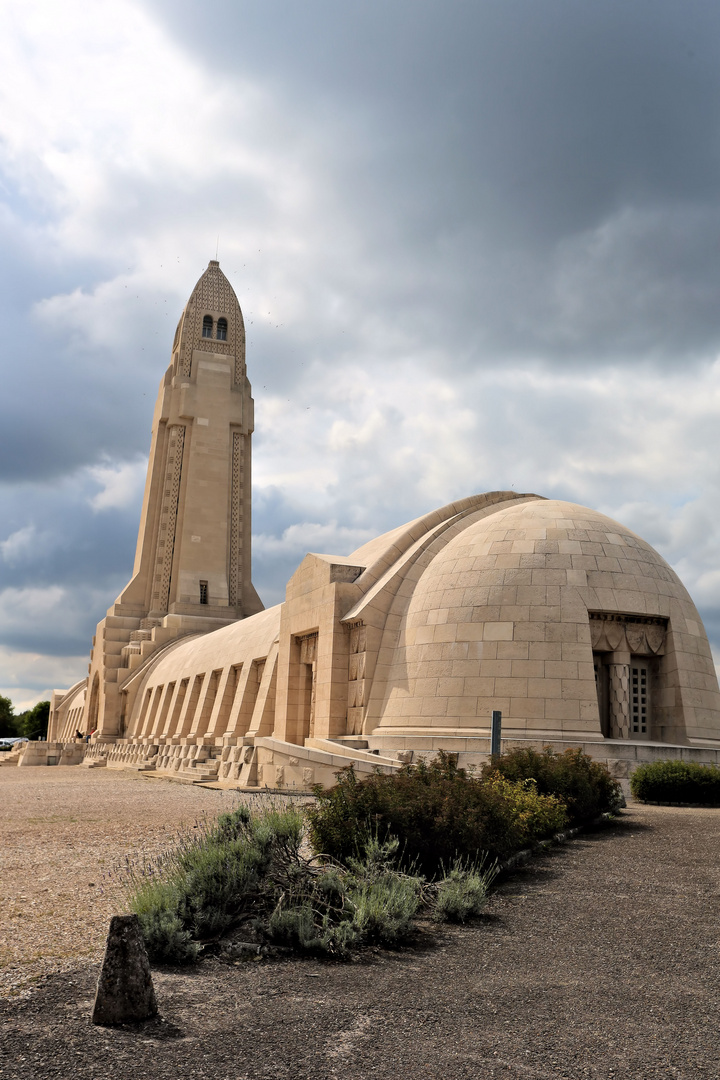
(677, 782)
(249, 871)
(385, 849)
(439, 812)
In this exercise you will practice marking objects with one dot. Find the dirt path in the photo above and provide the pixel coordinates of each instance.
(599, 960)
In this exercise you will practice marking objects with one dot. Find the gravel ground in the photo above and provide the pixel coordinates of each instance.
(597, 960)
(62, 830)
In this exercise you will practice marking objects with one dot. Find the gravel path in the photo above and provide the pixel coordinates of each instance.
(62, 830)
(598, 960)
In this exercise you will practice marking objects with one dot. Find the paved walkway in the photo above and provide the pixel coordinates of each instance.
(599, 960)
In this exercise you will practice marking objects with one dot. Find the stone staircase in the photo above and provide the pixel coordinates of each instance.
(134, 647)
(12, 757)
(195, 764)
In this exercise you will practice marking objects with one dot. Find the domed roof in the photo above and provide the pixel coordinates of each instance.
(500, 618)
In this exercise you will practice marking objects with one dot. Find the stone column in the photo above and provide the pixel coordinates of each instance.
(619, 696)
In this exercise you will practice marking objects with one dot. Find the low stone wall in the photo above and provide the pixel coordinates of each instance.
(53, 753)
(270, 763)
(262, 763)
(622, 756)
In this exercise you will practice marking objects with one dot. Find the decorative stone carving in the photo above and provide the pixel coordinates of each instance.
(614, 634)
(636, 638)
(236, 523)
(619, 692)
(168, 517)
(358, 638)
(642, 635)
(308, 649)
(655, 637)
(213, 294)
(357, 663)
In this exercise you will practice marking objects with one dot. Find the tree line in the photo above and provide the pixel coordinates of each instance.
(32, 723)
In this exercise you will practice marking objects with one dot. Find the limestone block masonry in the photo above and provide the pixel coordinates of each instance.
(564, 620)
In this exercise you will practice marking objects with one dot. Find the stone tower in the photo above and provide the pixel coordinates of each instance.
(192, 562)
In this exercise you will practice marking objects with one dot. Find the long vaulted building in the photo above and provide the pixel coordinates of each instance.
(566, 622)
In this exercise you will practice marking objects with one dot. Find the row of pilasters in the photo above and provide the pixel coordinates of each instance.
(216, 705)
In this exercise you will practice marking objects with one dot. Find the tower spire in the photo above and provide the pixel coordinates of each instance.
(192, 569)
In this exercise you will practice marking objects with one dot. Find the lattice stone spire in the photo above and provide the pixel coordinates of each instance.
(212, 297)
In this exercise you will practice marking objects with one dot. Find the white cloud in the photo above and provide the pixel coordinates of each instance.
(18, 605)
(30, 677)
(307, 536)
(122, 484)
(25, 544)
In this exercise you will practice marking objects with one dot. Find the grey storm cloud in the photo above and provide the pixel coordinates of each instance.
(517, 152)
(476, 244)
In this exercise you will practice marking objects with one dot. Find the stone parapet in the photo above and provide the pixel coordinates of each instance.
(52, 753)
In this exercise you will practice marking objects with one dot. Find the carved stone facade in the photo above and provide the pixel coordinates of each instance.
(213, 296)
(356, 677)
(168, 518)
(237, 508)
(308, 665)
(637, 634)
(625, 648)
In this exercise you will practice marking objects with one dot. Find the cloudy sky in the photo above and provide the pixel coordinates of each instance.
(476, 242)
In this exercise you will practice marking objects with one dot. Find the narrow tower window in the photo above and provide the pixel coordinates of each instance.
(207, 326)
(203, 592)
(222, 330)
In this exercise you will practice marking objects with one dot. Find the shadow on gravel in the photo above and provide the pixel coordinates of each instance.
(621, 824)
(158, 1029)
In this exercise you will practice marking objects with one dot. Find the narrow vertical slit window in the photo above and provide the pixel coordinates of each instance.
(207, 326)
(639, 699)
(603, 696)
(203, 592)
(222, 329)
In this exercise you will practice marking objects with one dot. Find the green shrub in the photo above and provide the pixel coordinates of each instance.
(165, 939)
(463, 893)
(338, 908)
(384, 909)
(383, 843)
(213, 878)
(249, 868)
(677, 782)
(584, 786)
(437, 813)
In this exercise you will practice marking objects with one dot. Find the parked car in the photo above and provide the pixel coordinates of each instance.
(11, 742)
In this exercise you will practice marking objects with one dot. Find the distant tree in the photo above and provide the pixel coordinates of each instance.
(33, 723)
(8, 720)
